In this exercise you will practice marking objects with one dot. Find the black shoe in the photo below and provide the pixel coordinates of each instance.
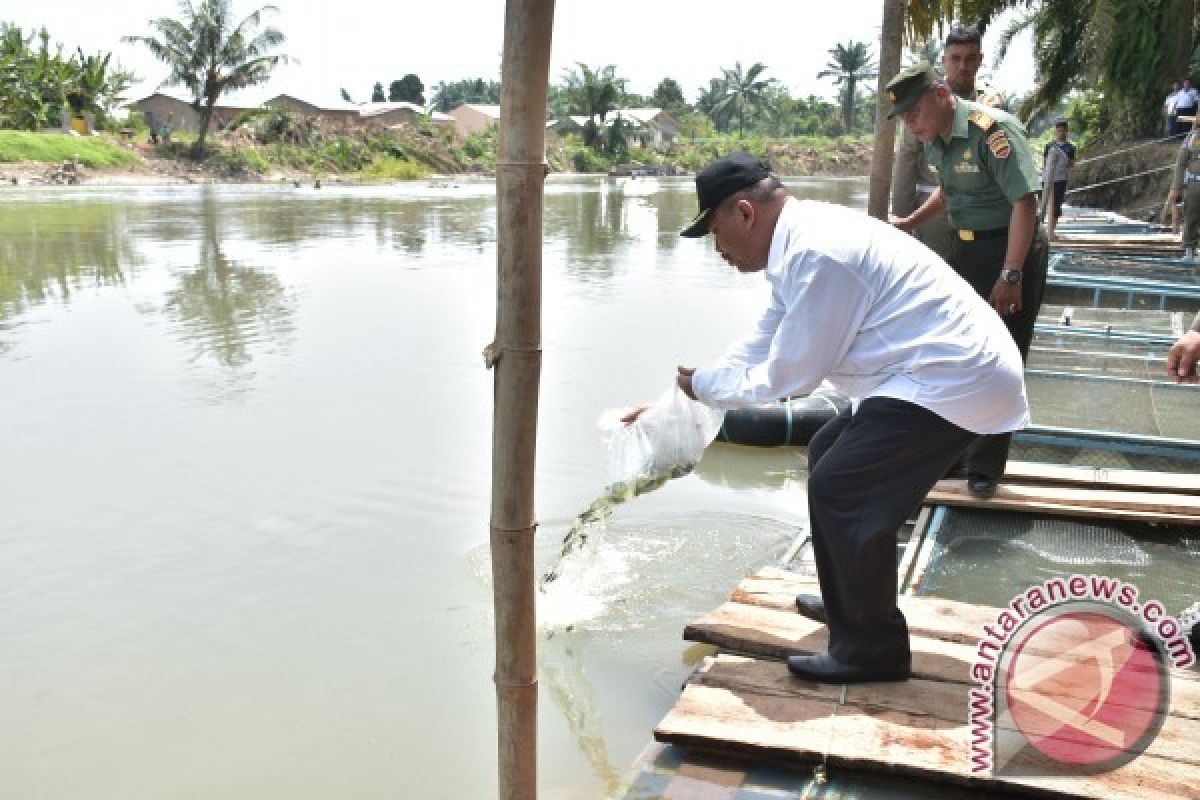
(824, 668)
(980, 486)
(811, 606)
(956, 471)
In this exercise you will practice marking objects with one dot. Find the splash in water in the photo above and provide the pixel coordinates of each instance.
(591, 520)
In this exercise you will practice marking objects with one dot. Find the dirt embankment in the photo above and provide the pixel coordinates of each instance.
(1132, 179)
(834, 158)
(843, 159)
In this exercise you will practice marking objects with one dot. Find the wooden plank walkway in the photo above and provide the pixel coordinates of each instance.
(749, 705)
(1158, 244)
(1147, 506)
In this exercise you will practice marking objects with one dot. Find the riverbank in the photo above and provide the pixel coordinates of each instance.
(28, 159)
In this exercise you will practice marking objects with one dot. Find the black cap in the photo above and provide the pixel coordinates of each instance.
(721, 178)
(906, 88)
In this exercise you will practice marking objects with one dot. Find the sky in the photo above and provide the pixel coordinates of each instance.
(354, 43)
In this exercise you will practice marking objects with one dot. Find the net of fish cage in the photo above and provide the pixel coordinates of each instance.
(989, 557)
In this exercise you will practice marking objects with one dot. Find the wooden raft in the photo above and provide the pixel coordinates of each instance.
(1159, 497)
(1162, 244)
(749, 705)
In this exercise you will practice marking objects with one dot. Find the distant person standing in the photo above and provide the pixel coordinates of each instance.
(1186, 183)
(988, 182)
(1187, 101)
(1058, 156)
(912, 179)
(1169, 109)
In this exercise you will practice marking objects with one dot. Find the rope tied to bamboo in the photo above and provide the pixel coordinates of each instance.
(493, 352)
(545, 166)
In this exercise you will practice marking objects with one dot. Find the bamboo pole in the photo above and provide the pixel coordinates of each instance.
(517, 358)
(891, 42)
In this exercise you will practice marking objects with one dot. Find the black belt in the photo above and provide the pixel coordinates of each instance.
(974, 236)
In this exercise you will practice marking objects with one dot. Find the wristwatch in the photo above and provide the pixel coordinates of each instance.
(1010, 275)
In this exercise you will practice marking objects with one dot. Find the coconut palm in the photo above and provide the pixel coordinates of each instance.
(1129, 50)
(739, 91)
(592, 93)
(849, 64)
(210, 55)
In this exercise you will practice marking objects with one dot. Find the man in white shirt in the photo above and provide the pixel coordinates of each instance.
(1187, 101)
(928, 363)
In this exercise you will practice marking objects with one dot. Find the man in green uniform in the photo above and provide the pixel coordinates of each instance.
(912, 180)
(988, 183)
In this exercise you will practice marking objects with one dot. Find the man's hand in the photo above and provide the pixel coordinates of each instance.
(630, 417)
(1005, 298)
(684, 381)
(903, 223)
(1182, 358)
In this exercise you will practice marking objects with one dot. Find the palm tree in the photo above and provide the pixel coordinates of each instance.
(850, 64)
(209, 55)
(1129, 50)
(739, 91)
(592, 94)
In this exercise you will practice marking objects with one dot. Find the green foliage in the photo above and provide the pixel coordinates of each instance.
(408, 89)
(269, 125)
(668, 95)
(209, 54)
(377, 95)
(480, 147)
(593, 94)
(240, 160)
(95, 152)
(394, 169)
(1088, 116)
(849, 65)
(36, 81)
(449, 96)
(585, 159)
(739, 92)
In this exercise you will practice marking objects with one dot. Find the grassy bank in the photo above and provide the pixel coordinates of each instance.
(93, 152)
(412, 153)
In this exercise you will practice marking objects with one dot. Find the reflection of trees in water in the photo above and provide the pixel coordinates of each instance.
(48, 251)
(592, 225)
(675, 212)
(405, 224)
(225, 308)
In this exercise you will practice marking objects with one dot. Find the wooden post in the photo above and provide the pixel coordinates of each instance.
(517, 358)
(891, 43)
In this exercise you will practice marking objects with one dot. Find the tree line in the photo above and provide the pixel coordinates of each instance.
(1122, 52)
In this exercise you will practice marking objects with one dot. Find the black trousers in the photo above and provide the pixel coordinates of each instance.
(980, 262)
(867, 472)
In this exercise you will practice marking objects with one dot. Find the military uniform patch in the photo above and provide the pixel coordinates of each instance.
(999, 145)
(981, 118)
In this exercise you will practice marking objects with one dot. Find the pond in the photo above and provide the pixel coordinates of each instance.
(246, 486)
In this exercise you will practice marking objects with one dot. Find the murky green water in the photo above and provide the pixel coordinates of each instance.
(246, 487)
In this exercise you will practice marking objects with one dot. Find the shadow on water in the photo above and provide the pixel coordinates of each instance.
(224, 309)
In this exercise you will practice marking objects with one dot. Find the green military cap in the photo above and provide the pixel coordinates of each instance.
(906, 88)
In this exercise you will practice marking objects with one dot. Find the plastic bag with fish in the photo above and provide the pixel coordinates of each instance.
(668, 438)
